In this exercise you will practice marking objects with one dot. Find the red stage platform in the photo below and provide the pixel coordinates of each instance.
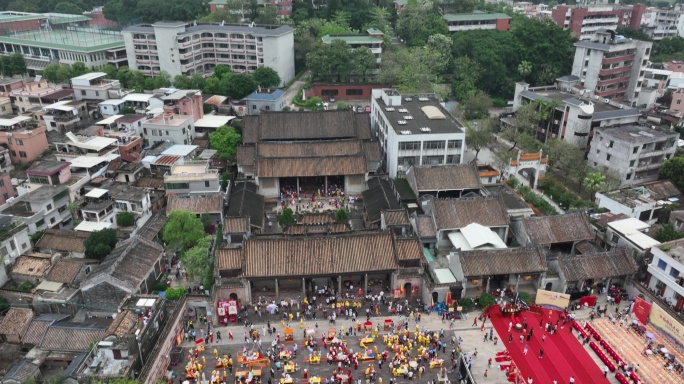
(563, 357)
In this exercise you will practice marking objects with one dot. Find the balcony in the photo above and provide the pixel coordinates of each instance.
(65, 118)
(618, 59)
(185, 44)
(668, 307)
(647, 166)
(612, 71)
(610, 92)
(617, 80)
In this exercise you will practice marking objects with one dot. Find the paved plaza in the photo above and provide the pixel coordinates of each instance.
(472, 340)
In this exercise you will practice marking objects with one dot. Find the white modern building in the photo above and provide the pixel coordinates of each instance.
(415, 130)
(665, 275)
(630, 233)
(93, 86)
(13, 242)
(178, 48)
(637, 202)
(192, 177)
(177, 129)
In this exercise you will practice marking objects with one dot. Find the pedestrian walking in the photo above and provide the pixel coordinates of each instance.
(541, 353)
(527, 348)
(544, 338)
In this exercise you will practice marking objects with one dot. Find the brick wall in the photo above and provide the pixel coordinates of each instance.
(344, 91)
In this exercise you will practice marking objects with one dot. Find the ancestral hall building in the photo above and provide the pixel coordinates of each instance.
(308, 151)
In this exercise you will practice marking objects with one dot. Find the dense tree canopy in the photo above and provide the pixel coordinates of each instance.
(266, 77)
(183, 230)
(335, 61)
(100, 243)
(127, 12)
(673, 170)
(225, 140)
(417, 22)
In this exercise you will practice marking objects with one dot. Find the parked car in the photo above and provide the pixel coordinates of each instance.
(368, 109)
(359, 109)
(332, 99)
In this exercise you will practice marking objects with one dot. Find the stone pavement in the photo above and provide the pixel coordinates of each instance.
(472, 340)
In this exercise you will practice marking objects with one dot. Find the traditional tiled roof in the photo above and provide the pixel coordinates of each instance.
(377, 197)
(246, 155)
(197, 204)
(586, 246)
(245, 201)
(408, 249)
(304, 229)
(316, 218)
(308, 149)
(74, 337)
(372, 151)
(229, 258)
(129, 263)
(22, 372)
(302, 126)
(676, 215)
(39, 325)
(502, 261)
(425, 226)
(123, 323)
(236, 224)
(395, 217)
(30, 266)
(445, 177)
(662, 189)
(305, 256)
(613, 263)
(149, 182)
(65, 271)
(15, 321)
(558, 228)
(311, 166)
(458, 213)
(153, 226)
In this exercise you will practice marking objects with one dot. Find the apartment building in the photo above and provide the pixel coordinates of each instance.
(634, 152)
(196, 48)
(372, 39)
(665, 23)
(283, 7)
(62, 115)
(60, 38)
(611, 66)
(41, 208)
(584, 21)
(578, 112)
(636, 202)
(76, 146)
(415, 130)
(173, 128)
(25, 139)
(93, 86)
(192, 177)
(458, 22)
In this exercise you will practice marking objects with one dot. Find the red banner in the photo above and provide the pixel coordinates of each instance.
(641, 310)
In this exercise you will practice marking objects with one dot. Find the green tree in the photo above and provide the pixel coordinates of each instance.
(438, 55)
(267, 15)
(502, 159)
(363, 61)
(174, 293)
(50, 73)
(479, 134)
(287, 217)
(476, 105)
(594, 182)
(199, 260)
(563, 156)
(125, 219)
(225, 140)
(79, 68)
(402, 67)
(417, 22)
(212, 86)
(128, 111)
(240, 85)
(68, 8)
(36, 236)
(222, 70)
(524, 68)
(523, 123)
(99, 244)
(341, 215)
(668, 233)
(673, 170)
(486, 299)
(465, 75)
(183, 230)
(12, 65)
(266, 77)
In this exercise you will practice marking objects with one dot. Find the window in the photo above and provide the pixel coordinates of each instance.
(629, 176)
(673, 272)
(177, 186)
(631, 163)
(454, 144)
(206, 184)
(635, 150)
(253, 107)
(5, 196)
(83, 93)
(409, 145)
(97, 93)
(12, 245)
(453, 159)
(608, 157)
(2, 183)
(615, 238)
(40, 223)
(49, 207)
(13, 153)
(433, 160)
(39, 179)
(19, 141)
(88, 270)
(662, 264)
(22, 154)
(24, 246)
(354, 92)
(52, 221)
(610, 145)
(434, 145)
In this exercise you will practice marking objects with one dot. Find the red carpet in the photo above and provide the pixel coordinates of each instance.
(563, 357)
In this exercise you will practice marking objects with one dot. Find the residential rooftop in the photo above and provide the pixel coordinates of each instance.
(352, 39)
(638, 134)
(190, 28)
(474, 16)
(632, 197)
(47, 167)
(602, 110)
